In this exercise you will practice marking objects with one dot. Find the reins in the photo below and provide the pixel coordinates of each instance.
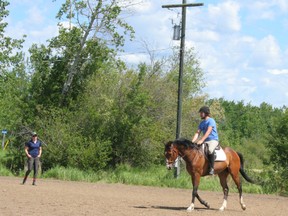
(193, 147)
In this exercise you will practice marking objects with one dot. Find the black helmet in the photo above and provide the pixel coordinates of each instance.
(205, 110)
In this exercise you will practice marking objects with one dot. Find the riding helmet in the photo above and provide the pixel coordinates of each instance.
(205, 110)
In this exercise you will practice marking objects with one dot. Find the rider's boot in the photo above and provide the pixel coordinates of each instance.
(211, 159)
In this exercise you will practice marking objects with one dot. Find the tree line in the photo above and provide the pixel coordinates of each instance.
(92, 111)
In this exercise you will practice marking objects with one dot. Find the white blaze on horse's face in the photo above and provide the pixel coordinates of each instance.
(170, 155)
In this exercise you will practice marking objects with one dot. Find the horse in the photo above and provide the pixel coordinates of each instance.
(197, 165)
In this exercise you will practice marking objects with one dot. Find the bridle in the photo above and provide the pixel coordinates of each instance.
(173, 152)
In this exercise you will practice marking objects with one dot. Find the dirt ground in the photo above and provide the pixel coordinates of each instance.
(53, 197)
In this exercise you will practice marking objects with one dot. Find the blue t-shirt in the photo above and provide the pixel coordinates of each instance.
(203, 126)
(33, 148)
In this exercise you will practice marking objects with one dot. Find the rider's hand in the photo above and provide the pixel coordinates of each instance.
(199, 142)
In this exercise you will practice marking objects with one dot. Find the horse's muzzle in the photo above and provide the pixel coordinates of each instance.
(169, 165)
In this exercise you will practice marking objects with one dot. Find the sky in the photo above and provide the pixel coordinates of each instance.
(242, 45)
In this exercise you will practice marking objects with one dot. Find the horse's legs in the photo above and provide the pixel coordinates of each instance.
(237, 180)
(195, 182)
(206, 204)
(223, 180)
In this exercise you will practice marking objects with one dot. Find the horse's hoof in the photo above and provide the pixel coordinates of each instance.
(190, 208)
(243, 207)
(222, 208)
(207, 205)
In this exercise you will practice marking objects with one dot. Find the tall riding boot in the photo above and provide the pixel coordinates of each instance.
(211, 158)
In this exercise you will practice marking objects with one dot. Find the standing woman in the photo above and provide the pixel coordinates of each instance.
(33, 151)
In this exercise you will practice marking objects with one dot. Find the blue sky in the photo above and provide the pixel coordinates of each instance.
(242, 45)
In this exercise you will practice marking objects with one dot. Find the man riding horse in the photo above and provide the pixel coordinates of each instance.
(210, 135)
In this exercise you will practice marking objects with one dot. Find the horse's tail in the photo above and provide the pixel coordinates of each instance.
(243, 173)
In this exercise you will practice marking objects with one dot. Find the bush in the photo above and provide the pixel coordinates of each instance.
(3, 161)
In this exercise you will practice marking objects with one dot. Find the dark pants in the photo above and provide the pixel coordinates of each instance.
(33, 163)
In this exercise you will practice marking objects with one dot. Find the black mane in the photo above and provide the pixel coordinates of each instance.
(185, 142)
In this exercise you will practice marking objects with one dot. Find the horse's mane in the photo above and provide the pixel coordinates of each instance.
(185, 142)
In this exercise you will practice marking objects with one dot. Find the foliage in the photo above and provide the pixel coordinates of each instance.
(278, 146)
(3, 169)
(95, 20)
(51, 65)
(13, 80)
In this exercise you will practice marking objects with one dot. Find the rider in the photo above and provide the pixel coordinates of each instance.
(210, 135)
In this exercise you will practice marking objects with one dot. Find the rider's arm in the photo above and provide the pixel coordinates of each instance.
(209, 130)
(195, 137)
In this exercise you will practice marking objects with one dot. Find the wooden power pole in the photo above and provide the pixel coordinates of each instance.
(184, 5)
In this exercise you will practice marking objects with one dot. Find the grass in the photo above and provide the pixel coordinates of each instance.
(157, 176)
(4, 171)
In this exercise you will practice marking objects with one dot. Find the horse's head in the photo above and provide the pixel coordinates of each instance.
(171, 154)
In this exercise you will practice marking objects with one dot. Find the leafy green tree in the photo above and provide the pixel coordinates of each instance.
(246, 128)
(97, 20)
(51, 67)
(13, 80)
(14, 84)
(278, 146)
(62, 68)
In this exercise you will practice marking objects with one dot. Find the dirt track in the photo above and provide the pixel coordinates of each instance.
(53, 197)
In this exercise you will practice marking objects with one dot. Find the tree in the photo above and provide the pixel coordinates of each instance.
(13, 80)
(96, 20)
(278, 146)
(51, 66)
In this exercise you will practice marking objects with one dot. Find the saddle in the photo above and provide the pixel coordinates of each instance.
(219, 153)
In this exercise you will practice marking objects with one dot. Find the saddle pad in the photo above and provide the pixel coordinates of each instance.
(220, 155)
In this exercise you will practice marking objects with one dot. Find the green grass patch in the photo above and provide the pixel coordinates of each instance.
(70, 174)
(3, 170)
(157, 176)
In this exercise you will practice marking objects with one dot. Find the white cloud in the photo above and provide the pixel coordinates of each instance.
(142, 6)
(283, 5)
(206, 35)
(265, 10)
(278, 71)
(266, 52)
(261, 10)
(224, 16)
(245, 79)
(134, 59)
(266, 81)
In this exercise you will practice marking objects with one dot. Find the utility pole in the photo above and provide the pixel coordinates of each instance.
(184, 5)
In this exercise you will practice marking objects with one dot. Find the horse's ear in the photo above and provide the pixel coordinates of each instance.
(168, 143)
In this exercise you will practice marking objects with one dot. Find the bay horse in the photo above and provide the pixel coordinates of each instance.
(197, 165)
